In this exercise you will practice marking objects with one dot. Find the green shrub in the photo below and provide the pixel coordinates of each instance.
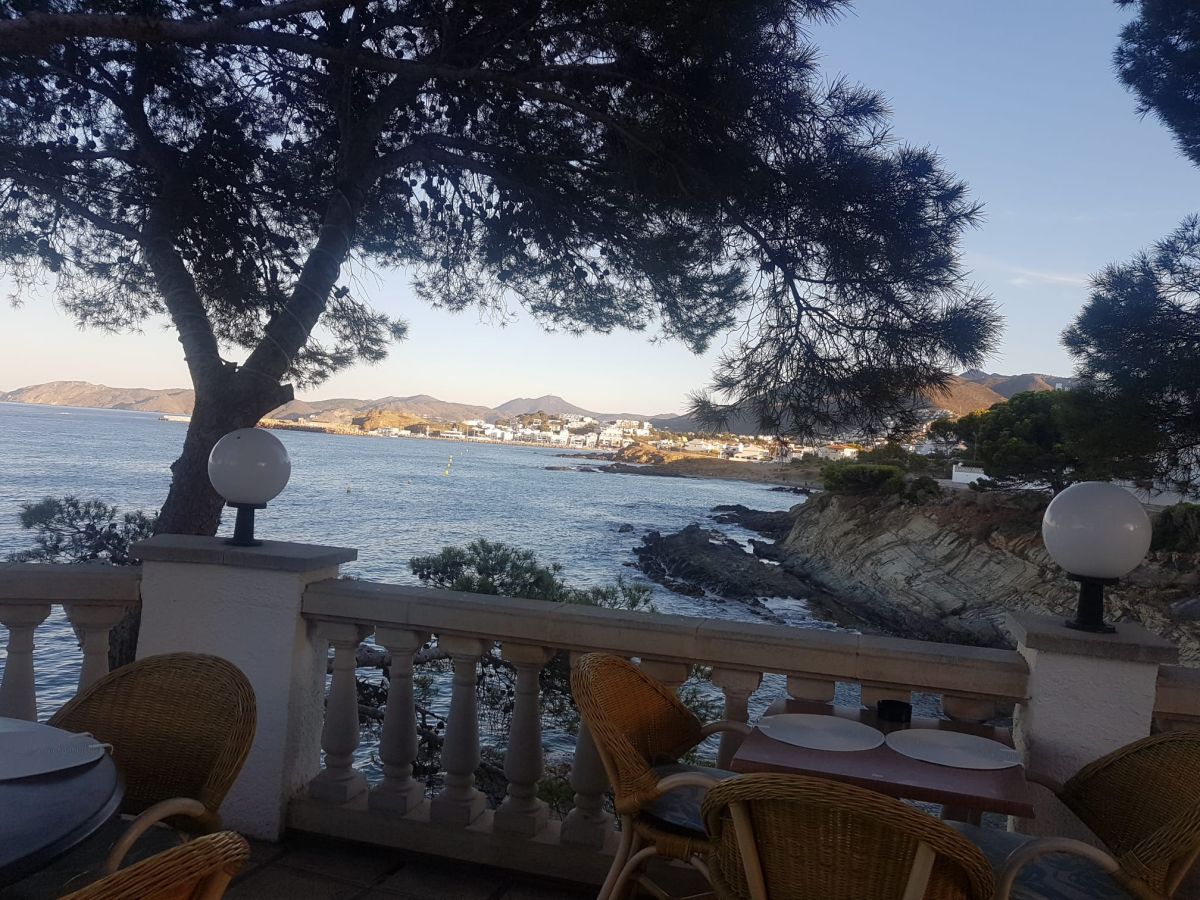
(1177, 529)
(844, 477)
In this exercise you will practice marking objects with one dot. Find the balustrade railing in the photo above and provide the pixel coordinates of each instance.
(971, 682)
(94, 598)
(1178, 702)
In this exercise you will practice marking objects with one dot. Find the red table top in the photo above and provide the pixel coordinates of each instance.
(884, 770)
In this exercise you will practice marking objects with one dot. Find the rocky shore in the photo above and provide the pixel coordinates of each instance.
(945, 570)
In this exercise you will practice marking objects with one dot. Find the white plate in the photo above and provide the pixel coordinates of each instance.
(953, 748)
(817, 732)
(41, 750)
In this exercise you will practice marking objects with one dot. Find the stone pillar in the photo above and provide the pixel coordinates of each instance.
(587, 824)
(1088, 695)
(18, 696)
(459, 802)
(201, 595)
(522, 812)
(399, 792)
(339, 781)
(737, 686)
(92, 622)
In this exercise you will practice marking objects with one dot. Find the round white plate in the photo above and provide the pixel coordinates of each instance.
(41, 750)
(952, 748)
(817, 732)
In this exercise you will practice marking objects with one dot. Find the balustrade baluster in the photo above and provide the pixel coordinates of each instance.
(737, 687)
(522, 812)
(587, 824)
(820, 690)
(92, 624)
(459, 803)
(339, 781)
(872, 694)
(398, 742)
(968, 709)
(18, 696)
(672, 674)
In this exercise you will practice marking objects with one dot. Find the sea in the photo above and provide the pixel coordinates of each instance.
(390, 498)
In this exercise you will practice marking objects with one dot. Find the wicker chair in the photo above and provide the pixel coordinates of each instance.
(641, 730)
(180, 726)
(198, 870)
(794, 837)
(1142, 801)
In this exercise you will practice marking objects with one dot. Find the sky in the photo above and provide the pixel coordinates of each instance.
(1018, 97)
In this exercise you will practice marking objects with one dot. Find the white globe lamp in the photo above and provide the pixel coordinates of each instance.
(1098, 532)
(248, 467)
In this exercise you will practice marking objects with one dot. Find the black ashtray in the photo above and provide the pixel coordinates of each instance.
(893, 711)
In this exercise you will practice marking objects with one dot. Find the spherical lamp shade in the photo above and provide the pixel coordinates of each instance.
(1096, 530)
(249, 467)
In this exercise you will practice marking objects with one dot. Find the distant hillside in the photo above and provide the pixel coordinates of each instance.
(1007, 385)
(557, 406)
(174, 401)
(963, 397)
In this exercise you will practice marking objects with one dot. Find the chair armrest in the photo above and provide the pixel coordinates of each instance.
(686, 779)
(1035, 849)
(725, 725)
(178, 806)
(1045, 780)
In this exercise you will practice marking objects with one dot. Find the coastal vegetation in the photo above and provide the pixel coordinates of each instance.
(645, 165)
(71, 530)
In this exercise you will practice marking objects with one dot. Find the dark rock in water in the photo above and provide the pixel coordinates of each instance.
(560, 469)
(768, 550)
(787, 489)
(713, 562)
(625, 529)
(775, 525)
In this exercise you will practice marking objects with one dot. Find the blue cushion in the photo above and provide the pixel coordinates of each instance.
(681, 807)
(1059, 876)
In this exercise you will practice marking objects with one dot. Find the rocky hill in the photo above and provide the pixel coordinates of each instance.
(948, 570)
(175, 401)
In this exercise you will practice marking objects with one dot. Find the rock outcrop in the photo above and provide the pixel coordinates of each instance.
(948, 570)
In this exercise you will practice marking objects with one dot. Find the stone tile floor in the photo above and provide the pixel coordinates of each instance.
(311, 868)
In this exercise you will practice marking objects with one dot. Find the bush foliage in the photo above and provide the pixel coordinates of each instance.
(70, 530)
(1177, 529)
(844, 477)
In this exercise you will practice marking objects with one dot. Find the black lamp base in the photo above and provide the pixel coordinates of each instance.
(243, 526)
(1089, 614)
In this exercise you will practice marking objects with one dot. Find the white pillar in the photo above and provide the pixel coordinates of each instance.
(587, 824)
(244, 604)
(737, 687)
(1088, 695)
(522, 812)
(339, 781)
(18, 696)
(459, 802)
(399, 792)
(92, 622)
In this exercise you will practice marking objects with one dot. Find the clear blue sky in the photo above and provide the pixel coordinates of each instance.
(1019, 98)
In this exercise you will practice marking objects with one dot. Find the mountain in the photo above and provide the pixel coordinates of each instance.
(424, 406)
(963, 396)
(549, 403)
(1007, 385)
(175, 401)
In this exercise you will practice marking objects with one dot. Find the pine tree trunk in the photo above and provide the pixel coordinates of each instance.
(192, 506)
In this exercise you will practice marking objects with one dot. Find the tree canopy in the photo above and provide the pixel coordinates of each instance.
(241, 167)
(1137, 340)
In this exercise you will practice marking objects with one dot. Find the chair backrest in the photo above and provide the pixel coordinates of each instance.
(635, 721)
(180, 725)
(798, 837)
(198, 870)
(1143, 801)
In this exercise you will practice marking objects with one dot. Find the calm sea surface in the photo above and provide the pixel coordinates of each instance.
(387, 497)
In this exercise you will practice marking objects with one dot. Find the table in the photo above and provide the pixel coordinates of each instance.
(44, 816)
(965, 793)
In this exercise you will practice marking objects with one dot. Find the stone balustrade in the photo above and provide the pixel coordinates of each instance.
(520, 833)
(279, 610)
(94, 597)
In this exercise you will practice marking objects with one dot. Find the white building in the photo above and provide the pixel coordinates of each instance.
(698, 446)
(837, 451)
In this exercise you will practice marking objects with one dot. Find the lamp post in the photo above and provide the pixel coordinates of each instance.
(248, 467)
(1098, 532)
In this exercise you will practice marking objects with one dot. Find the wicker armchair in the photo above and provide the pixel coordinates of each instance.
(641, 730)
(180, 726)
(1143, 802)
(198, 870)
(794, 837)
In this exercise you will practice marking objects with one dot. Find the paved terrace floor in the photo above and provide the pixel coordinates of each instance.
(316, 868)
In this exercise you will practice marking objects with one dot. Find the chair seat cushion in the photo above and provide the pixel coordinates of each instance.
(681, 807)
(1058, 876)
